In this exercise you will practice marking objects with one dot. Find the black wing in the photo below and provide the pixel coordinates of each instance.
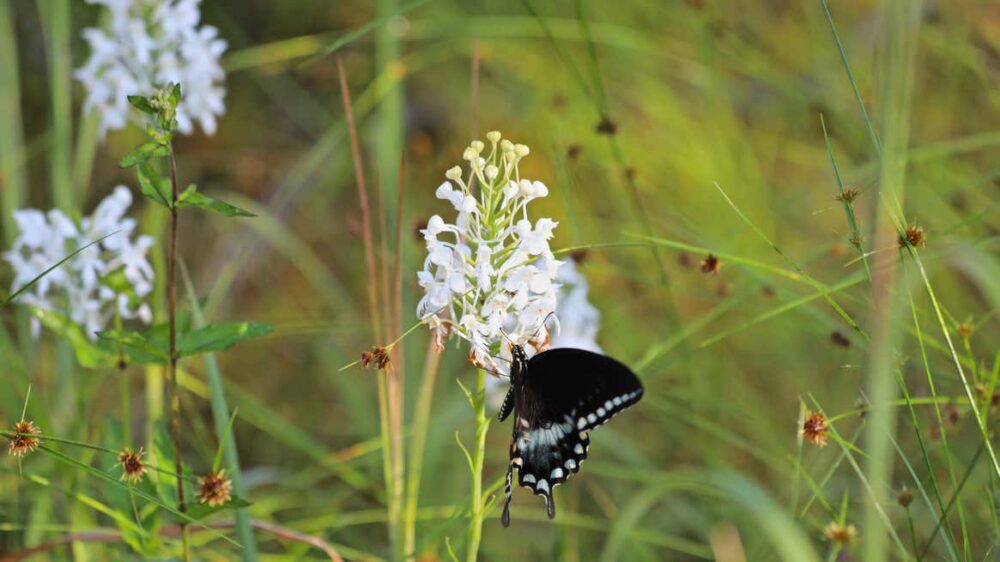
(565, 393)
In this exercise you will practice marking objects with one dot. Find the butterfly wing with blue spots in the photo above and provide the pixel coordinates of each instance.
(557, 398)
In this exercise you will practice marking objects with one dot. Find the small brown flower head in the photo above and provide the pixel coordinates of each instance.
(133, 469)
(964, 330)
(26, 439)
(215, 489)
(951, 414)
(573, 151)
(904, 497)
(856, 240)
(606, 126)
(711, 264)
(579, 256)
(913, 236)
(847, 196)
(814, 428)
(840, 533)
(376, 356)
(840, 340)
(630, 173)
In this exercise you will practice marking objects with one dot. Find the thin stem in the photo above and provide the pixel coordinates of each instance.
(421, 423)
(175, 401)
(477, 509)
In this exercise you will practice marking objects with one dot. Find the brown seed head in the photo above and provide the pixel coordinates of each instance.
(840, 533)
(952, 414)
(133, 468)
(856, 240)
(814, 428)
(606, 126)
(376, 356)
(847, 196)
(573, 151)
(26, 439)
(839, 340)
(913, 236)
(711, 264)
(215, 489)
(904, 497)
(964, 330)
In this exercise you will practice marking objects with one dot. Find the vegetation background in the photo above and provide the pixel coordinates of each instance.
(666, 130)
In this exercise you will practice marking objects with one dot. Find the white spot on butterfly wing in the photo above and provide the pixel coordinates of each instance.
(570, 463)
(601, 412)
(543, 484)
(591, 418)
(528, 478)
(557, 473)
(578, 449)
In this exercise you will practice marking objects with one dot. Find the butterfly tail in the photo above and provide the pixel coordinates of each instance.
(505, 518)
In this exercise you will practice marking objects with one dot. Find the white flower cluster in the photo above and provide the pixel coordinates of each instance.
(494, 276)
(579, 321)
(107, 278)
(150, 43)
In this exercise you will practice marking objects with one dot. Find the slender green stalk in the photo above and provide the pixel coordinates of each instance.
(850, 76)
(221, 417)
(11, 131)
(477, 508)
(55, 16)
(421, 425)
(898, 65)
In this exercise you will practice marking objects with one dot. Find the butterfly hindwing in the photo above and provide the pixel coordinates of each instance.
(560, 396)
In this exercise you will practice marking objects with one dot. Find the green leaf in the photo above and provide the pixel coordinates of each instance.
(142, 104)
(191, 198)
(88, 353)
(153, 186)
(175, 94)
(142, 153)
(134, 341)
(219, 337)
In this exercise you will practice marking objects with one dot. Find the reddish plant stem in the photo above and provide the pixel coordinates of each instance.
(175, 400)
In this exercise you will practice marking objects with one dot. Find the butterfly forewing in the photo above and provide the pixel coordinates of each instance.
(562, 395)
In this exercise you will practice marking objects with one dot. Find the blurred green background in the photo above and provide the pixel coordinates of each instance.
(698, 92)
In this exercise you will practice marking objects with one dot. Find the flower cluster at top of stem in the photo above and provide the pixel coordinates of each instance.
(147, 43)
(107, 278)
(489, 276)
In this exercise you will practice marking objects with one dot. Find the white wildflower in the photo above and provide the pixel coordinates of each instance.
(579, 320)
(150, 43)
(108, 278)
(490, 275)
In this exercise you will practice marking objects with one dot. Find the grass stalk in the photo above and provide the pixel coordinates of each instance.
(12, 153)
(390, 394)
(220, 417)
(898, 68)
(421, 426)
(55, 17)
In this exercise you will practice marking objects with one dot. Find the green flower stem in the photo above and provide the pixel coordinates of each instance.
(477, 508)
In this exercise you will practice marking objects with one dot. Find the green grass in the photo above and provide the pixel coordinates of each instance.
(737, 126)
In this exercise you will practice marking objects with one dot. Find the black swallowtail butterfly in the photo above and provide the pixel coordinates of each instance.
(557, 398)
